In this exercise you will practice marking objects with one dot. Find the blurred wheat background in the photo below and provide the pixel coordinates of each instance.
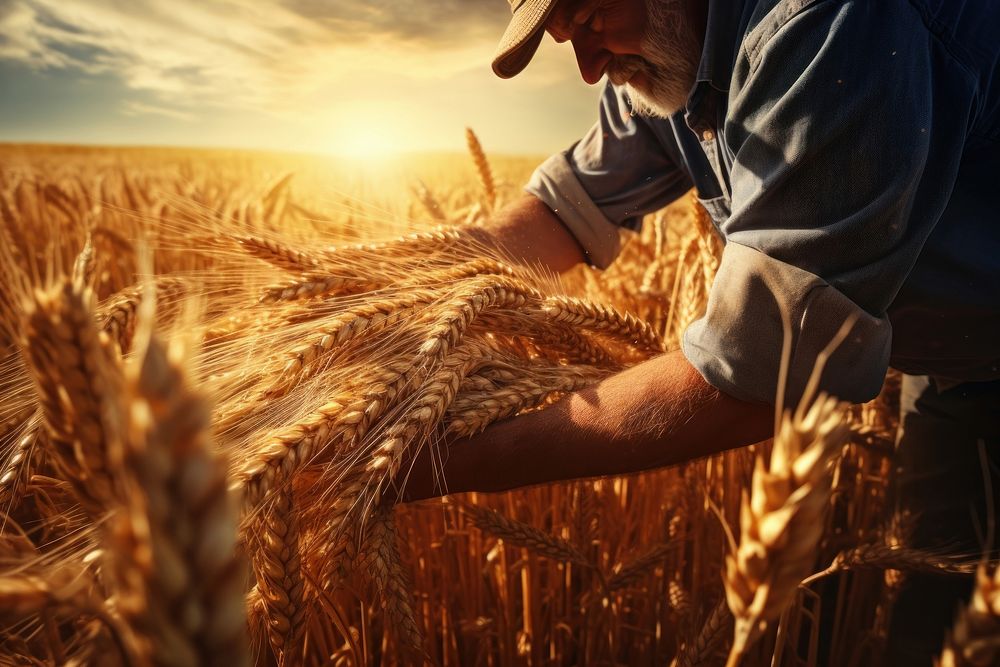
(214, 364)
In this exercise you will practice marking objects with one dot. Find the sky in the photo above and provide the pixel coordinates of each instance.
(327, 76)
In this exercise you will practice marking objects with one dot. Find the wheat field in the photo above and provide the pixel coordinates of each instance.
(216, 367)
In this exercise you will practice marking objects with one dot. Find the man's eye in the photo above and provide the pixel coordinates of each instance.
(590, 16)
(596, 21)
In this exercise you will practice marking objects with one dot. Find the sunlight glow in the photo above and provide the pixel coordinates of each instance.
(363, 143)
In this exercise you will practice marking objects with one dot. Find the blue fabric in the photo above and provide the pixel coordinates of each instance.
(849, 153)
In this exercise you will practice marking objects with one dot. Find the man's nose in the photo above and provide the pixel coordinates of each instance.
(590, 56)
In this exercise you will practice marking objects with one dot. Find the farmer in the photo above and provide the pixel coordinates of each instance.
(848, 152)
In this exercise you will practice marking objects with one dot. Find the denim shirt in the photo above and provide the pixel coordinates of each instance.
(849, 154)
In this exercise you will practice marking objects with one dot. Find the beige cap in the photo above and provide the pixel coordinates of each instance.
(523, 35)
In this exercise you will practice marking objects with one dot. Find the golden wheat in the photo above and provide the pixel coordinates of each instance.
(329, 358)
(781, 521)
(975, 639)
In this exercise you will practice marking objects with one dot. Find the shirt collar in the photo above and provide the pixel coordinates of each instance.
(726, 19)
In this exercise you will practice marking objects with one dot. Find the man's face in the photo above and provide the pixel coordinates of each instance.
(651, 46)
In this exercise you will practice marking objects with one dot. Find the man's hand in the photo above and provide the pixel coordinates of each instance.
(531, 234)
(655, 414)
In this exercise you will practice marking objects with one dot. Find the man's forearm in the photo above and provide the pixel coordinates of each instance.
(531, 234)
(658, 413)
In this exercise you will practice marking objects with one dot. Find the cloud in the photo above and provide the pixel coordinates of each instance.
(435, 24)
(303, 74)
(135, 108)
(274, 56)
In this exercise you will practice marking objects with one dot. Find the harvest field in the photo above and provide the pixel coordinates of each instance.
(215, 365)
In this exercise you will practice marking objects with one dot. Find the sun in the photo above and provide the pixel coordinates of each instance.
(363, 144)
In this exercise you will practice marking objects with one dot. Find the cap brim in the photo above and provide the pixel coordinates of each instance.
(521, 38)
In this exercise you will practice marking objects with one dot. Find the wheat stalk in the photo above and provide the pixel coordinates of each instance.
(709, 244)
(319, 405)
(16, 243)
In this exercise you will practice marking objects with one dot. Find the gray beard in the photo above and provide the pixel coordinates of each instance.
(669, 63)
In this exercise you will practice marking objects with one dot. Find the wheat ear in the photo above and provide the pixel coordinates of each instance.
(554, 340)
(196, 581)
(403, 248)
(482, 168)
(22, 461)
(603, 319)
(429, 201)
(632, 572)
(975, 639)
(476, 410)
(474, 297)
(470, 269)
(781, 521)
(117, 315)
(85, 264)
(313, 285)
(423, 414)
(23, 595)
(518, 534)
(77, 380)
(277, 254)
(278, 567)
(385, 567)
(349, 421)
(883, 556)
(342, 421)
(342, 525)
(367, 319)
(713, 633)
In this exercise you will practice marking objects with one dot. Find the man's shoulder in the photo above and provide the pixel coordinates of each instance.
(768, 17)
(967, 29)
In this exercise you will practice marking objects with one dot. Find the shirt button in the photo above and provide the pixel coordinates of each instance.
(708, 135)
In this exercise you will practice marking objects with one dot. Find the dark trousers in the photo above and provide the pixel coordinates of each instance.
(948, 447)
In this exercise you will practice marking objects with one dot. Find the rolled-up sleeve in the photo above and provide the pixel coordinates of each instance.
(625, 167)
(837, 184)
(737, 345)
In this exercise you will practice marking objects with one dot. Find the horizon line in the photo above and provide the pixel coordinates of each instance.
(4, 143)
